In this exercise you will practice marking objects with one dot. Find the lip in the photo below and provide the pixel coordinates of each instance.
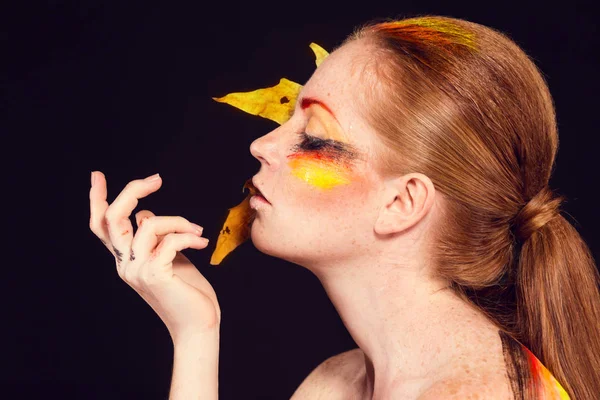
(260, 192)
(257, 202)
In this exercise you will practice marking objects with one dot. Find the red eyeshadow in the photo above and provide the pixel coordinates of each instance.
(307, 102)
(316, 156)
(323, 156)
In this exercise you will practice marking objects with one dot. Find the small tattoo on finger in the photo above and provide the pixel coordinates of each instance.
(118, 254)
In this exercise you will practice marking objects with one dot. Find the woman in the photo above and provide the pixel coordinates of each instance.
(412, 180)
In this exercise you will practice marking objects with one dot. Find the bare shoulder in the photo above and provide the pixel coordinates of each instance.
(479, 373)
(335, 378)
(485, 387)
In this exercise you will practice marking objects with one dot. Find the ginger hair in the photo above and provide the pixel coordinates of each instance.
(464, 105)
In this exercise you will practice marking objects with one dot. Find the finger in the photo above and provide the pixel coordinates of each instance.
(141, 215)
(98, 206)
(161, 259)
(153, 230)
(118, 213)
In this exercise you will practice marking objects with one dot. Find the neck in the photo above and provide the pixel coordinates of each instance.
(401, 320)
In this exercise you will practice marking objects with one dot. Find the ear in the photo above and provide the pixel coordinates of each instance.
(406, 200)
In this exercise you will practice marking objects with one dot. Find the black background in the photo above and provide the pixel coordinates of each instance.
(125, 87)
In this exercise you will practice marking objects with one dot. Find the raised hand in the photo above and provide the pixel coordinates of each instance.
(149, 259)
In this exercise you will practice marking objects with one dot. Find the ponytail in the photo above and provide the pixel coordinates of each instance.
(558, 302)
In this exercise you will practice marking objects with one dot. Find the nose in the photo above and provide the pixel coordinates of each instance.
(265, 150)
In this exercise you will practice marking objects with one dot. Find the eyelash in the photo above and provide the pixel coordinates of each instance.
(328, 147)
(312, 143)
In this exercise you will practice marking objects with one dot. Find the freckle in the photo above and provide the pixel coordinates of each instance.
(125, 233)
(466, 368)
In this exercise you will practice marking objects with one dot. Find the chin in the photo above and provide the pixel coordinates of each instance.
(262, 241)
(273, 245)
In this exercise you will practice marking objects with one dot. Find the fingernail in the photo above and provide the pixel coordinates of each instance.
(152, 178)
(197, 228)
(92, 178)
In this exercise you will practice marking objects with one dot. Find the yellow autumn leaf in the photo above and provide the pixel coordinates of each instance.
(320, 53)
(275, 103)
(236, 229)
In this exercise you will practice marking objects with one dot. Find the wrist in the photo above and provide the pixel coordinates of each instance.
(201, 338)
(195, 365)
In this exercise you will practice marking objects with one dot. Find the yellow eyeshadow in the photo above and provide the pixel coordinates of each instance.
(321, 121)
(319, 173)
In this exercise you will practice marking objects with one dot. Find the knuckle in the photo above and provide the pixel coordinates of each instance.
(110, 215)
(149, 222)
(132, 184)
(169, 240)
(182, 220)
(153, 255)
(131, 278)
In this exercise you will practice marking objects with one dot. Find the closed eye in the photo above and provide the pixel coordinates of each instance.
(313, 143)
(333, 148)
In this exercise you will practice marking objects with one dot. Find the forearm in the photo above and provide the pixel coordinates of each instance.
(196, 367)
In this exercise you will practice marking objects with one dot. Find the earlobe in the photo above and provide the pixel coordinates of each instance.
(406, 201)
(393, 217)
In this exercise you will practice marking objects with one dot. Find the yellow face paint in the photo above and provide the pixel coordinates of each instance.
(324, 158)
(319, 170)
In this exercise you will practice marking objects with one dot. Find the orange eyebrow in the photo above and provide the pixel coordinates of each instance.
(309, 101)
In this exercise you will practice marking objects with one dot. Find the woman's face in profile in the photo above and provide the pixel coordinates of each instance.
(316, 170)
